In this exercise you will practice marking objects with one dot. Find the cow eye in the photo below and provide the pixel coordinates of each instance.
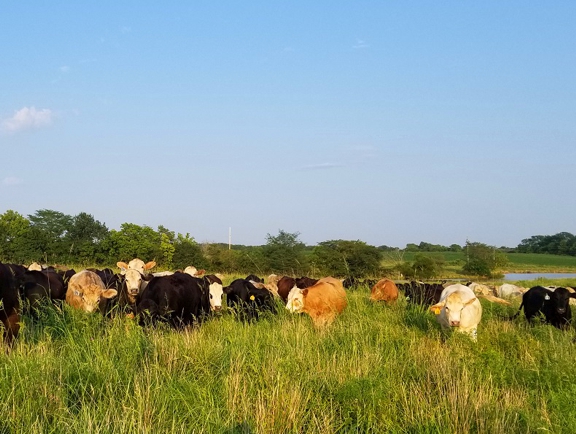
(211, 296)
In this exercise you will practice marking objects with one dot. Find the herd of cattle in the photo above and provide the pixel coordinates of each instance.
(190, 295)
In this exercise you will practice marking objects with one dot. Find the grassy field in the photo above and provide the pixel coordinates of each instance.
(377, 369)
(518, 262)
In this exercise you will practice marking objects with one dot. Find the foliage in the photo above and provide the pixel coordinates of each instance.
(341, 258)
(483, 260)
(563, 243)
(187, 252)
(423, 267)
(284, 253)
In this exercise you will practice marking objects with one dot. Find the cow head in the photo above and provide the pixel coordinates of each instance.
(192, 271)
(452, 308)
(135, 264)
(216, 292)
(295, 300)
(133, 282)
(90, 296)
(561, 299)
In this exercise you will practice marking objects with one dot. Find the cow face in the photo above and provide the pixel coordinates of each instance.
(453, 307)
(133, 281)
(561, 298)
(216, 293)
(90, 297)
(295, 302)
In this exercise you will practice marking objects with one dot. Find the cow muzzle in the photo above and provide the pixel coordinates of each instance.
(454, 323)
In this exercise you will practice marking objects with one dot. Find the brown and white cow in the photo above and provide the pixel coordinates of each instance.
(385, 290)
(323, 301)
(85, 290)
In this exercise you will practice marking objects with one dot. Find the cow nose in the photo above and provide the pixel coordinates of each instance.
(454, 323)
(560, 310)
(217, 308)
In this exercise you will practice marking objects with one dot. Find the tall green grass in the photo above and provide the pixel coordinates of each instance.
(377, 369)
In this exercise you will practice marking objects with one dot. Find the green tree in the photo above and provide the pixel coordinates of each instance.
(133, 241)
(341, 258)
(84, 237)
(188, 252)
(52, 227)
(483, 260)
(19, 241)
(284, 253)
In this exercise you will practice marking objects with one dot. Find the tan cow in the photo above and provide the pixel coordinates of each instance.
(85, 289)
(135, 264)
(384, 290)
(459, 308)
(480, 289)
(322, 301)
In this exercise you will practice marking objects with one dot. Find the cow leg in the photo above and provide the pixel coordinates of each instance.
(11, 326)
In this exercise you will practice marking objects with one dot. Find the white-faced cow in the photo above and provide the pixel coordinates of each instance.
(459, 308)
(136, 264)
(85, 290)
(323, 301)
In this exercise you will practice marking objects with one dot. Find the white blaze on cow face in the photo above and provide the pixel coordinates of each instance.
(216, 292)
(295, 300)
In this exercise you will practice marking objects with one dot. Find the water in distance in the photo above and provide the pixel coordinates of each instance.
(534, 276)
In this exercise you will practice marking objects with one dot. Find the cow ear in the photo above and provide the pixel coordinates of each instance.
(226, 290)
(109, 293)
(573, 294)
(472, 300)
(437, 307)
(150, 265)
(122, 265)
(305, 291)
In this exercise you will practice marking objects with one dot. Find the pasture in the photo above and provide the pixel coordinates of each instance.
(376, 369)
(518, 262)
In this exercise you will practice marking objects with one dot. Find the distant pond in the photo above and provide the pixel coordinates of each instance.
(534, 276)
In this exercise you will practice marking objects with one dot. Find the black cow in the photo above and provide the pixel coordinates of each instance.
(9, 304)
(555, 305)
(41, 285)
(179, 299)
(247, 301)
(421, 293)
(254, 278)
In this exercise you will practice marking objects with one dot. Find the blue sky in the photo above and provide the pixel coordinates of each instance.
(388, 122)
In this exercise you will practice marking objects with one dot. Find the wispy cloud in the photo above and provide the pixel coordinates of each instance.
(360, 44)
(321, 166)
(11, 180)
(27, 118)
(65, 69)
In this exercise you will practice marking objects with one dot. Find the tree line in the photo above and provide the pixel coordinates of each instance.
(52, 237)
